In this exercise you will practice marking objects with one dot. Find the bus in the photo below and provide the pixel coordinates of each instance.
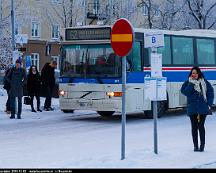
(91, 72)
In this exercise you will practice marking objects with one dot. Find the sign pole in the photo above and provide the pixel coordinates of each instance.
(155, 113)
(123, 107)
(122, 36)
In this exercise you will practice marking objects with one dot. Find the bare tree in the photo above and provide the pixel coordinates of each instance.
(148, 4)
(115, 9)
(203, 12)
(171, 15)
(5, 40)
(68, 12)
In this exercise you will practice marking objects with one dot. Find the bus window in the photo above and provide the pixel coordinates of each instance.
(90, 61)
(166, 51)
(183, 53)
(134, 58)
(205, 51)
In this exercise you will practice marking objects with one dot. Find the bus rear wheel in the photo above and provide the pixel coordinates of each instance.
(67, 111)
(105, 113)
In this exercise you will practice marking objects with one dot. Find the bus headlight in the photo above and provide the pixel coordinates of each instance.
(114, 94)
(62, 93)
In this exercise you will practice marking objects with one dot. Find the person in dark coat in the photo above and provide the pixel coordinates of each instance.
(48, 82)
(17, 79)
(34, 86)
(200, 96)
(6, 86)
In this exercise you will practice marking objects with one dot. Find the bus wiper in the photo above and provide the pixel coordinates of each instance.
(86, 94)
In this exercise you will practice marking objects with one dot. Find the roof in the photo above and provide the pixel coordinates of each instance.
(190, 32)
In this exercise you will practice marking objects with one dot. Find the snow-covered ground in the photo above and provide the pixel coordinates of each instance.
(86, 140)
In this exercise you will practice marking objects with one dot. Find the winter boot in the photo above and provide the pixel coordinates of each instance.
(202, 146)
(12, 116)
(39, 110)
(196, 149)
(33, 110)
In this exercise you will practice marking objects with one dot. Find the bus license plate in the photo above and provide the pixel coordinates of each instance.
(83, 104)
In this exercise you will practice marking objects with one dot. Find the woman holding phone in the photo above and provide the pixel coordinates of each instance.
(200, 96)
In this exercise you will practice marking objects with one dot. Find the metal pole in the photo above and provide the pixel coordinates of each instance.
(123, 107)
(85, 11)
(155, 114)
(1, 13)
(13, 25)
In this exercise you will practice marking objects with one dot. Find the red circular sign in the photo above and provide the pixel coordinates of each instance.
(122, 37)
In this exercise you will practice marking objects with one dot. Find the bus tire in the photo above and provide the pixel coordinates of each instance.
(67, 111)
(161, 106)
(106, 113)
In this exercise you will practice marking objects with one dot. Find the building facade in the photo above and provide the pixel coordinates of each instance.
(44, 20)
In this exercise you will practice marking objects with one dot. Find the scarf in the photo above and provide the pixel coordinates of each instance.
(199, 86)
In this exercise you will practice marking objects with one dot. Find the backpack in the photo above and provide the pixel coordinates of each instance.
(6, 85)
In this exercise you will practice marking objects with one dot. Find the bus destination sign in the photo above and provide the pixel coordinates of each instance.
(102, 33)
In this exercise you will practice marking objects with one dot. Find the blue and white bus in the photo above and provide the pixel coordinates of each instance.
(91, 72)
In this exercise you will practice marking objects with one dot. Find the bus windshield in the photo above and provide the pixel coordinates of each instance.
(90, 61)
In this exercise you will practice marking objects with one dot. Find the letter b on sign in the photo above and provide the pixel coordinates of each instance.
(154, 40)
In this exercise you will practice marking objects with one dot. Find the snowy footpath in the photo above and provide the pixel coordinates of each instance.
(85, 140)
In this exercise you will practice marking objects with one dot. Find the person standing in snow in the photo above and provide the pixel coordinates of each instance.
(48, 82)
(34, 86)
(200, 96)
(17, 78)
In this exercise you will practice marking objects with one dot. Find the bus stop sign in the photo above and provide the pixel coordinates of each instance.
(122, 37)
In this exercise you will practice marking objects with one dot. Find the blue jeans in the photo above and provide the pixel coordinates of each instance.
(13, 106)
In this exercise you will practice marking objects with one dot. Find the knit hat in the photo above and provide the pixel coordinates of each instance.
(18, 61)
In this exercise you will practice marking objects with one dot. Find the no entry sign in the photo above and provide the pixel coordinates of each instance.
(122, 37)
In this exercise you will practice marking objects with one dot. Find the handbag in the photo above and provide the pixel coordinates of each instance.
(27, 100)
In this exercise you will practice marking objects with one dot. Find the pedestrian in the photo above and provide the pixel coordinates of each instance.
(17, 79)
(6, 86)
(34, 87)
(48, 82)
(200, 96)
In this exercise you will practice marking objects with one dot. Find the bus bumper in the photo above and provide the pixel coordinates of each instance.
(95, 105)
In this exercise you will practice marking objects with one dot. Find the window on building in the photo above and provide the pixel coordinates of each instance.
(156, 11)
(205, 51)
(35, 29)
(55, 31)
(35, 59)
(17, 29)
(56, 1)
(56, 58)
(183, 53)
(145, 10)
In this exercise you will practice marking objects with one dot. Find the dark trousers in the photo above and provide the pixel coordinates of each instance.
(32, 101)
(47, 103)
(198, 125)
(13, 106)
(8, 104)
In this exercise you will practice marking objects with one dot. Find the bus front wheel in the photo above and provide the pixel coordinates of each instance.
(67, 111)
(105, 113)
